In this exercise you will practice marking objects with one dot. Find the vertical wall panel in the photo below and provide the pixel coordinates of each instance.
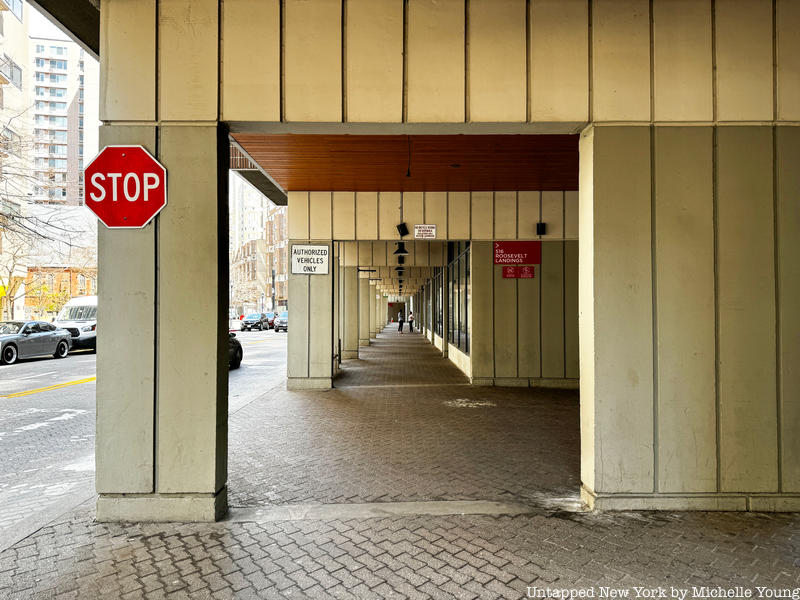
(505, 324)
(364, 255)
(458, 215)
(379, 254)
(571, 346)
(505, 215)
(344, 215)
(436, 212)
(559, 60)
(748, 422)
(367, 215)
(374, 71)
(553, 215)
(571, 215)
(319, 215)
(482, 216)
(128, 61)
(552, 275)
(684, 251)
(788, 56)
(788, 147)
(682, 60)
(298, 215)
(188, 31)
(497, 62)
(482, 338)
(621, 54)
(744, 60)
(528, 325)
(389, 215)
(297, 357)
(529, 214)
(247, 74)
(622, 308)
(313, 60)
(412, 210)
(435, 69)
(320, 334)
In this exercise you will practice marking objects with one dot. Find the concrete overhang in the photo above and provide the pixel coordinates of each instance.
(79, 19)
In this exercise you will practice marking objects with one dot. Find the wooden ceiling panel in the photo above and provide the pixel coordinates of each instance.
(416, 162)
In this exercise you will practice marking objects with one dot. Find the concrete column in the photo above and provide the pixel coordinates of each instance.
(337, 277)
(310, 351)
(349, 311)
(364, 311)
(162, 367)
(373, 311)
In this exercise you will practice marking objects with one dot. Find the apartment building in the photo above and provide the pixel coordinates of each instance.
(277, 261)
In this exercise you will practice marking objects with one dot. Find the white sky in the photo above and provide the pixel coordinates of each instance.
(40, 27)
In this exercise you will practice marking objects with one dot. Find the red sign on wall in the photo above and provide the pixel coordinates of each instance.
(517, 253)
(510, 272)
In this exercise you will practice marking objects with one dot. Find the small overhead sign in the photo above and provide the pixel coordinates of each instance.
(424, 232)
(519, 272)
(517, 253)
(310, 259)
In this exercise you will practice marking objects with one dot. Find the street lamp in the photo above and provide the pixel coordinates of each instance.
(262, 301)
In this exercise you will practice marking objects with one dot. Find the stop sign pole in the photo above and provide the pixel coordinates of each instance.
(125, 186)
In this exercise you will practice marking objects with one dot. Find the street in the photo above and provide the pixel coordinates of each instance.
(47, 427)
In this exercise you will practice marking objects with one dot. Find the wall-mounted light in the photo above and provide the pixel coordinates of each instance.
(541, 229)
(401, 249)
(402, 229)
(401, 260)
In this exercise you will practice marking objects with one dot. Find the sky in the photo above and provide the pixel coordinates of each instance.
(41, 27)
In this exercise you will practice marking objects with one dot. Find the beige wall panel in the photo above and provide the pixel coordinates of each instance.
(125, 417)
(684, 251)
(748, 421)
(128, 61)
(529, 341)
(497, 62)
(379, 254)
(374, 52)
(571, 215)
(788, 55)
(313, 60)
(559, 48)
(482, 216)
(413, 210)
(435, 69)
(389, 215)
(251, 88)
(319, 215)
(421, 250)
(298, 215)
(367, 215)
(529, 208)
(571, 345)
(365, 255)
(553, 215)
(788, 147)
(350, 254)
(188, 60)
(744, 60)
(437, 254)
(436, 212)
(682, 60)
(623, 316)
(482, 281)
(459, 214)
(297, 351)
(344, 215)
(621, 56)
(320, 334)
(505, 325)
(188, 383)
(505, 215)
(552, 328)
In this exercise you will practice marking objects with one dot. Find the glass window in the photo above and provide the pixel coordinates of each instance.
(39, 48)
(41, 77)
(16, 8)
(40, 62)
(12, 71)
(458, 295)
(40, 91)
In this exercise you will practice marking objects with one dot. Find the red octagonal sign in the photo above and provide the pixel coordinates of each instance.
(125, 186)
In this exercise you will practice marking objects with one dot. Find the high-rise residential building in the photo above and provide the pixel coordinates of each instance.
(64, 94)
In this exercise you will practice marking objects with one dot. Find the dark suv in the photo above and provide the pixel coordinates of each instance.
(258, 321)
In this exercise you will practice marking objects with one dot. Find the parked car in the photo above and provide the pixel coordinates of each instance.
(235, 352)
(271, 319)
(255, 321)
(79, 317)
(28, 339)
(234, 324)
(282, 321)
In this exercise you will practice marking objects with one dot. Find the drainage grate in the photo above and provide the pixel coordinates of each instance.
(467, 403)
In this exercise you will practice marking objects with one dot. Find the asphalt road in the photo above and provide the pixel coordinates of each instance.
(47, 428)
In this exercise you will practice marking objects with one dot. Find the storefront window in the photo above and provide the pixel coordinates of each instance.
(458, 295)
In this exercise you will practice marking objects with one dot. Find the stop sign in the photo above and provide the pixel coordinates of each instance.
(125, 186)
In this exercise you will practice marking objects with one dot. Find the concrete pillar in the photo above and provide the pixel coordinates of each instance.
(337, 278)
(373, 311)
(349, 310)
(162, 372)
(364, 311)
(310, 351)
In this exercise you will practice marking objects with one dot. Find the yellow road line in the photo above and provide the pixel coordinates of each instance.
(49, 388)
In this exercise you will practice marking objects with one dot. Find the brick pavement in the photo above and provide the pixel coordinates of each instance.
(376, 444)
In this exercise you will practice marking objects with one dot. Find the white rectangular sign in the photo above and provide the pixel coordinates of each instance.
(424, 232)
(310, 260)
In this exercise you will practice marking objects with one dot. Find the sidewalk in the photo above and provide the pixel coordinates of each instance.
(412, 433)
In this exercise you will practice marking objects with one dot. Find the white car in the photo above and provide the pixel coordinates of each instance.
(79, 317)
